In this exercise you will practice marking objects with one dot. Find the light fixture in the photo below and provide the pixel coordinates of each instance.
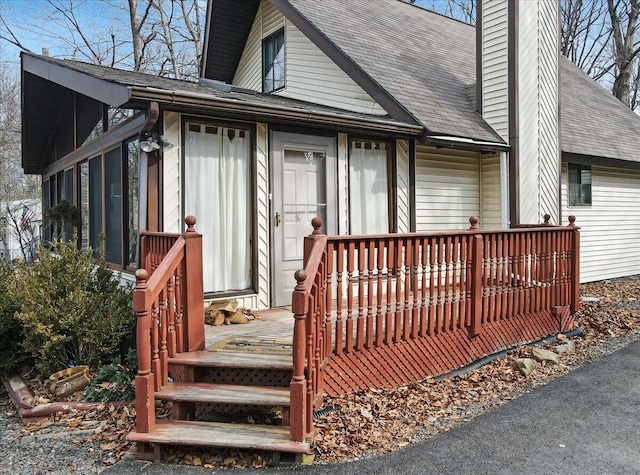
(154, 142)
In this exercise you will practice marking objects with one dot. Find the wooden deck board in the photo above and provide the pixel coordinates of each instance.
(219, 359)
(224, 393)
(240, 436)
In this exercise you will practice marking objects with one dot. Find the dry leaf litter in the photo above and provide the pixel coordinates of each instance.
(357, 425)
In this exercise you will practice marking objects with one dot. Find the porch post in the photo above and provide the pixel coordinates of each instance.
(145, 399)
(475, 249)
(193, 324)
(298, 386)
(575, 265)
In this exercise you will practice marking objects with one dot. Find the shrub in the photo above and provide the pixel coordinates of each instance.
(13, 356)
(114, 381)
(72, 308)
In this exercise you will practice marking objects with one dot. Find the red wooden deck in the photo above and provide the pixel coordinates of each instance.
(368, 312)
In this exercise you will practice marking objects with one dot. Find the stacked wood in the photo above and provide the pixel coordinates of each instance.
(226, 312)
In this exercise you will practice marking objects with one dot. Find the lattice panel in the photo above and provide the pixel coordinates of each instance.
(245, 376)
(414, 360)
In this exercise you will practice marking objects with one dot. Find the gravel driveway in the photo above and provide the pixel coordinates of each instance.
(59, 454)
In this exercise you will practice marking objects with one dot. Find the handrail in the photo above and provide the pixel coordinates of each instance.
(168, 304)
(359, 293)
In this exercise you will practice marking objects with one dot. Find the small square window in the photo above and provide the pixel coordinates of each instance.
(273, 61)
(579, 185)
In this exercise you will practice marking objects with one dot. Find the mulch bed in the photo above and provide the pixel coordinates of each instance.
(377, 421)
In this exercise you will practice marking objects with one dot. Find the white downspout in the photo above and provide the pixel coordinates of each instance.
(504, 190)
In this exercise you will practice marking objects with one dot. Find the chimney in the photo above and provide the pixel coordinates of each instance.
(45, 52)
(517, 93)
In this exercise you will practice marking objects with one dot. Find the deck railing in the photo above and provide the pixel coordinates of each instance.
(168, 301)
(367, 301)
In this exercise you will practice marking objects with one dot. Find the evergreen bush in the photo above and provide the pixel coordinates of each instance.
(115, 381)
(13, 356)
(72, 308)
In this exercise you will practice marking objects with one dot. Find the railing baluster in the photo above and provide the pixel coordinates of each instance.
(361, 302)
(163, 323)
(379, 316)
(371, 254)
(339, 301)
(397, 313)
(350, 259)
(155, 349)
(389, 307)
(423, 289)
(406, 323)
(415, 270)
(432, 290)
(330, 256)
(171, 328)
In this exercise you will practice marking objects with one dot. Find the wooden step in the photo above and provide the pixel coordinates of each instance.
(220, 359)
(214, 434)
(224, 393)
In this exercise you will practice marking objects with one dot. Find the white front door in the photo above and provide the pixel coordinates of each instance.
(304, 186)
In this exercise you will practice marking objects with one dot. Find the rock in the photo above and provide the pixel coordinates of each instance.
(540, 354)
(238, 317)
(524, 365)
(567, 347)
(590, 299)
(562, 337)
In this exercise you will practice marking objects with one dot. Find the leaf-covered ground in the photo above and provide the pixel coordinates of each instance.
(378, 421)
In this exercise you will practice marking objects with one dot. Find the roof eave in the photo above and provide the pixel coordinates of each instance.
(101, 90)
(181, 98)
(464, 143)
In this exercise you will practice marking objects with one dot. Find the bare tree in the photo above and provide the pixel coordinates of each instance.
(623, 15)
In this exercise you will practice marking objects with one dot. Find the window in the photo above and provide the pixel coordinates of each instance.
(108, 200)
(217, 170)
(369, 187)
(95, 203)
(273, 62)
(579, 185)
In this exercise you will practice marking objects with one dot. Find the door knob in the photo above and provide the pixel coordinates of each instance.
(278, 218)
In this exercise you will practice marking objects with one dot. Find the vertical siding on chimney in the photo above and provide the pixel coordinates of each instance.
(538, 110)
(494, 66)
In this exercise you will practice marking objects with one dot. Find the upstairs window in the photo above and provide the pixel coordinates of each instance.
(579, 185)
(273, 61)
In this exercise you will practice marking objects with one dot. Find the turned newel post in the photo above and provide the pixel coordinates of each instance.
(145, 406)
(298, 409)
(475, 278)
(575, 265)
(193, 319)
(547, 219)
(308, 240)
(473, 221)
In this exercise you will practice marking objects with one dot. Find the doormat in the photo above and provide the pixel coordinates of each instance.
(252, 344)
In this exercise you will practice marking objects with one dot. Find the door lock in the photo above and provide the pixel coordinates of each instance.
(278, 218)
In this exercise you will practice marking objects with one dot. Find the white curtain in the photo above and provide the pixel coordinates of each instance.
(217, 194)
(368, 188)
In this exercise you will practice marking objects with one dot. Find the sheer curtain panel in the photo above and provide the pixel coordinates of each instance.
(217, 188)
(368, 188)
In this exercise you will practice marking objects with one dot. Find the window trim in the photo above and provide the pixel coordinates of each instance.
(250, 128)
(279, 31)
(581, 202)
(391, 177)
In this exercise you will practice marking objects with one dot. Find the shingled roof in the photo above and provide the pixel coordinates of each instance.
(424, 60)
(592, 121)
(427, 63)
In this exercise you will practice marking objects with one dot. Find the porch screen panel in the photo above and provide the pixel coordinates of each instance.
(217, 192)
(368, 188)
(83, 170)
(132, 201)
(95, 203)
(46, 204)
(113, 197)
(68, 196)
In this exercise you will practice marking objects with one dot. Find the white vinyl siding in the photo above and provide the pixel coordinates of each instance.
(447, 189)
(310, 74)
(171, 176)
(491, 217)
(610, 226)
(495, 108)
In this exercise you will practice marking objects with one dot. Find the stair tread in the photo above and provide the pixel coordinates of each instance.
(224, 393)
(232, 360)
(213, 434)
